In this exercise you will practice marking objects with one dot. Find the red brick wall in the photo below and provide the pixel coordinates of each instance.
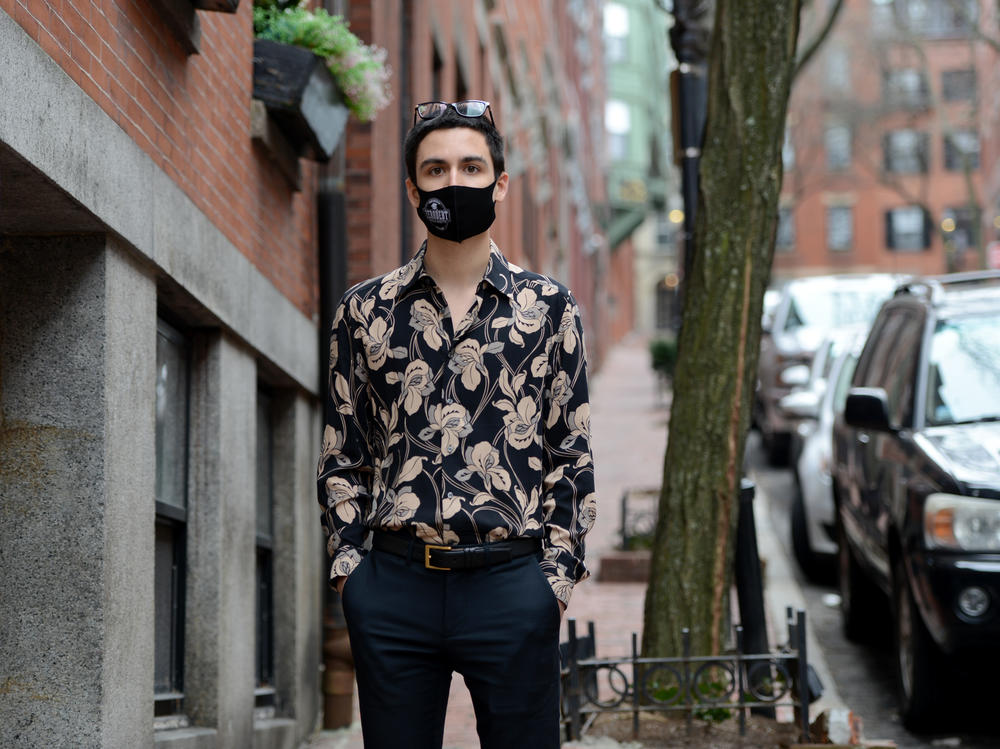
(374, 173)
(191, 115)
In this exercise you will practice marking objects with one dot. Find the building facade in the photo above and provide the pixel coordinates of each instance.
(160, 374)
(642, 182)
(988, 65)
(884, 150)
(167, 273)
(541, 67)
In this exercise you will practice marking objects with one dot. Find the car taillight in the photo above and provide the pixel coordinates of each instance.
(965, 523)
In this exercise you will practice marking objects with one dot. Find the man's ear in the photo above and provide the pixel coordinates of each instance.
(500, 189)
(411, 193)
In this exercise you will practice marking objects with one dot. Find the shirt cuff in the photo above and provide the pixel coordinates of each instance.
(557, 573)
(344, 562)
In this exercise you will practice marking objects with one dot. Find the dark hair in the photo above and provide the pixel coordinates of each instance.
(447, 120)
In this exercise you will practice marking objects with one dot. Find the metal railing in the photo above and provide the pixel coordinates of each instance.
(696, 685)
(639, 509)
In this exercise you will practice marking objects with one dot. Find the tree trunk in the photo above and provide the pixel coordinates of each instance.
(751, 64)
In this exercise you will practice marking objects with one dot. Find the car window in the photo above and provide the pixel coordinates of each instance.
(843, 382)
(878, 348)
(963, 379)
(834, 305)
(900, 371)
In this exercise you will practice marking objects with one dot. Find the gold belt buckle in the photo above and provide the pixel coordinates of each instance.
(427, 557)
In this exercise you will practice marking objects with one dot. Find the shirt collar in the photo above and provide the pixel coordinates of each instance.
(498, 274)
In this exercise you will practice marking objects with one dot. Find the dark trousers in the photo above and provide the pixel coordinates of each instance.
(411, 627)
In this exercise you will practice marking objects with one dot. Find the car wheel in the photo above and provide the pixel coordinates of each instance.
(859, 598)
(919, 667)
(804, 554)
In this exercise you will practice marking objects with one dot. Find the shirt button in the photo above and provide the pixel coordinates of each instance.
(450, 494)
(449, 401)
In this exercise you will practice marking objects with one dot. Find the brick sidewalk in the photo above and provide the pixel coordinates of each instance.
(629, 428)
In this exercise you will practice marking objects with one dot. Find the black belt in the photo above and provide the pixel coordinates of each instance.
(436, 557)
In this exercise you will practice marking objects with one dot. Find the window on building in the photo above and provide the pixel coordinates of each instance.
(905, 152)
(837, 141)
(788, 150)
(961, 150)
(461, 87)
(839, 228)
(172, 405)
(437, 73)
(959, 224)
(618, 123)
(938, 18)
(838, 69)
(882, 15)
(265, 684)
(667, 306)
(616, 27)
(905, 88)
(666, 233)
(907, 228)
(958, 85)
(784, 238)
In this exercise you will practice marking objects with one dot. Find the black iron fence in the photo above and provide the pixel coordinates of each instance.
(639, 508)
(698, 686)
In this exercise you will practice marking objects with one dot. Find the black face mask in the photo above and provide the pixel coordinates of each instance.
(455, 212)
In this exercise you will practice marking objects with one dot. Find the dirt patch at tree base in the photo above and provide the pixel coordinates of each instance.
(657, 731)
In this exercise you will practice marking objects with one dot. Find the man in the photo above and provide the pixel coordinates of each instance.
(457, 437)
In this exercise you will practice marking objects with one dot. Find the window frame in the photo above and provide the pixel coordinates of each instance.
(954, 155)
(891, 235)
(786, 217)
(168, 705)
(907, 97)
(958, 74)
(921, 157)
(841, 209)
(265, 671)
(843, 160)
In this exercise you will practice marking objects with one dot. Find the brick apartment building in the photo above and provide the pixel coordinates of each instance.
(886, 145)
(988, 66)
(165, 278)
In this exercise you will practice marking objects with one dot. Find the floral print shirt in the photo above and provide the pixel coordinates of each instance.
(465, 433)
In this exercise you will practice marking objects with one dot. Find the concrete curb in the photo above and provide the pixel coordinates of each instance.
(781, 589)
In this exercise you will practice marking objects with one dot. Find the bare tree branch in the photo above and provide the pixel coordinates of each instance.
(817, 41)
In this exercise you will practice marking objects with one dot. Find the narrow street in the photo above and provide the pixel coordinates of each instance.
(864, 674)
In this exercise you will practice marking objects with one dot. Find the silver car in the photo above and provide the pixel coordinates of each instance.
(808, 309)
(813, 512)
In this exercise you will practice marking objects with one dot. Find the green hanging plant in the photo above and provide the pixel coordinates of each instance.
(359, 69)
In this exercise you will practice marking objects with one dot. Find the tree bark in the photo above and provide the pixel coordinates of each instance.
(751, 64)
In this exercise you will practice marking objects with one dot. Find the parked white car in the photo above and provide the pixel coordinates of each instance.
(816, 406)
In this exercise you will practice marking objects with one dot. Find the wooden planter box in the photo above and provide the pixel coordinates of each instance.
(301, 96)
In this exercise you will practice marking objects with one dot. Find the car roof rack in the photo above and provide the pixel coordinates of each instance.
(934, 288)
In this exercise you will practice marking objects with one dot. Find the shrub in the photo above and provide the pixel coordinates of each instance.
(663, 356)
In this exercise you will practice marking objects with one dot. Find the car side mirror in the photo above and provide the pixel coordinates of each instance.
(796, 375)
(867, 408)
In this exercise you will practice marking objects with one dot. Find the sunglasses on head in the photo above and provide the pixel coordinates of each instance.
(471, 108)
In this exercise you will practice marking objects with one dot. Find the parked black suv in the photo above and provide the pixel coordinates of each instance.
(917, 483)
